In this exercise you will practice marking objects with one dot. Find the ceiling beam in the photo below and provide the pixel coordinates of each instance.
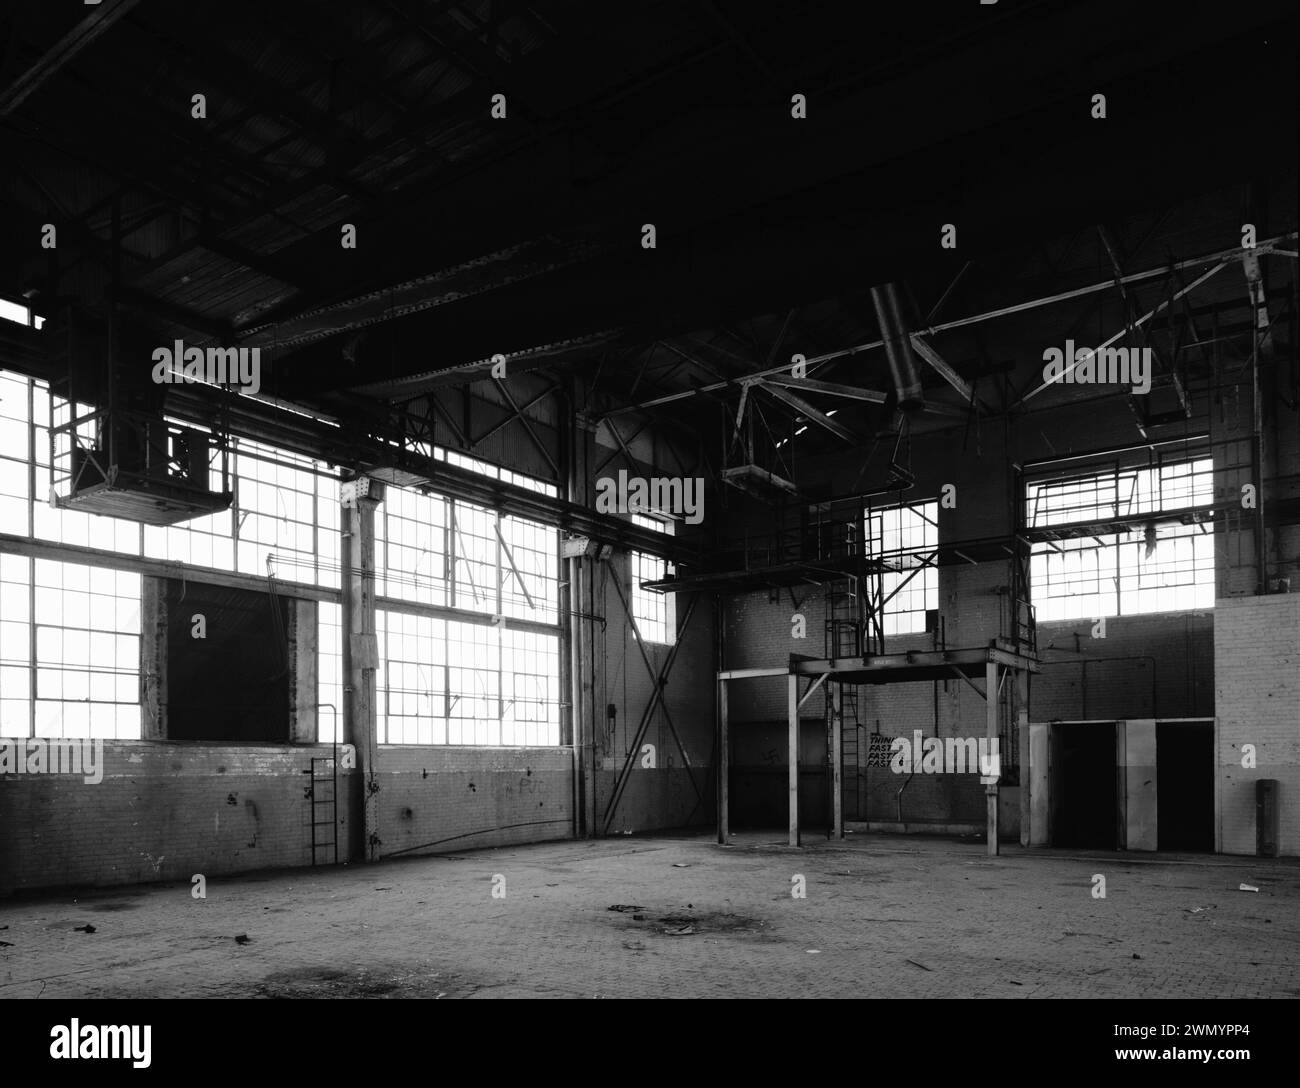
(814, 416)
(486, 273)
(134, 299)
(832, 389)
(938, 363)
(96, 23)
(1132, 327)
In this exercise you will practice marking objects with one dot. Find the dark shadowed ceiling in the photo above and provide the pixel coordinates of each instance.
(522, 235)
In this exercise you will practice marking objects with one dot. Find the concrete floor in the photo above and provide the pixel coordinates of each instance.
(883, 917)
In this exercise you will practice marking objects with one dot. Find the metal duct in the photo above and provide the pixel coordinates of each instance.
(898, 346)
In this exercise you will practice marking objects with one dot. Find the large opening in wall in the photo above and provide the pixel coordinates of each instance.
(1084, 789)
(1185, 797)
(228, 664)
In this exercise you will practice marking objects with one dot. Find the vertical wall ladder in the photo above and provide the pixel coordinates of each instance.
(322, 792)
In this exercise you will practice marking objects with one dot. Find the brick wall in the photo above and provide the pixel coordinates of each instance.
(1153, 666)
(161, 812)
(1257, 701)
(441, 799)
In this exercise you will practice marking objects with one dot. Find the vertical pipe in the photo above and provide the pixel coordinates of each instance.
(898, 346)
(793, 709)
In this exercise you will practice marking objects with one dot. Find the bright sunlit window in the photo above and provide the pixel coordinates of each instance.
(1155, 568)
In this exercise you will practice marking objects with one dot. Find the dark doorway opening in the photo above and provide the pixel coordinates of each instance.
(1185, 786)
(227, 664)
(759, 770)
(1084, 788)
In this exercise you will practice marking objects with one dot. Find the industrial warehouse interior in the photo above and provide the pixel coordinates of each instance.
(548, 499)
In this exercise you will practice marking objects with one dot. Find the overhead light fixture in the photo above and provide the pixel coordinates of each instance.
(579, 547)
(574, 547)
(801, 430)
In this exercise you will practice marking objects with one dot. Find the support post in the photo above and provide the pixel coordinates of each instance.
(1022, 729)
(837, 760)
(724, 761)
(360, 658)
(991, 789)
(793, 703)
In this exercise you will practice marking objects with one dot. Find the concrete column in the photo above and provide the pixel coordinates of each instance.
(360, 658)
(303, 715)
(1137, 780)
(1036, 772)
(153, 658)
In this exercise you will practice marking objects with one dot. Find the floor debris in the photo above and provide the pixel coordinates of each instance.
(84, 929)
(922, 966)
(242, 938)
(624, 908)
(680, 931)
(1247, 888)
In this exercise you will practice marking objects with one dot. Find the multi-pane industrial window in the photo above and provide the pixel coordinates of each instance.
(529, 572)
(444, 681)
(474, 557)
(411, 535)
(15, 646)
(15, 483)
(445, 552)
(905, 539)
(496, 472)
(69, 650)
(1155, 567)
(329, 672)
(286, 505)
(652, 612)
(441, 681)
